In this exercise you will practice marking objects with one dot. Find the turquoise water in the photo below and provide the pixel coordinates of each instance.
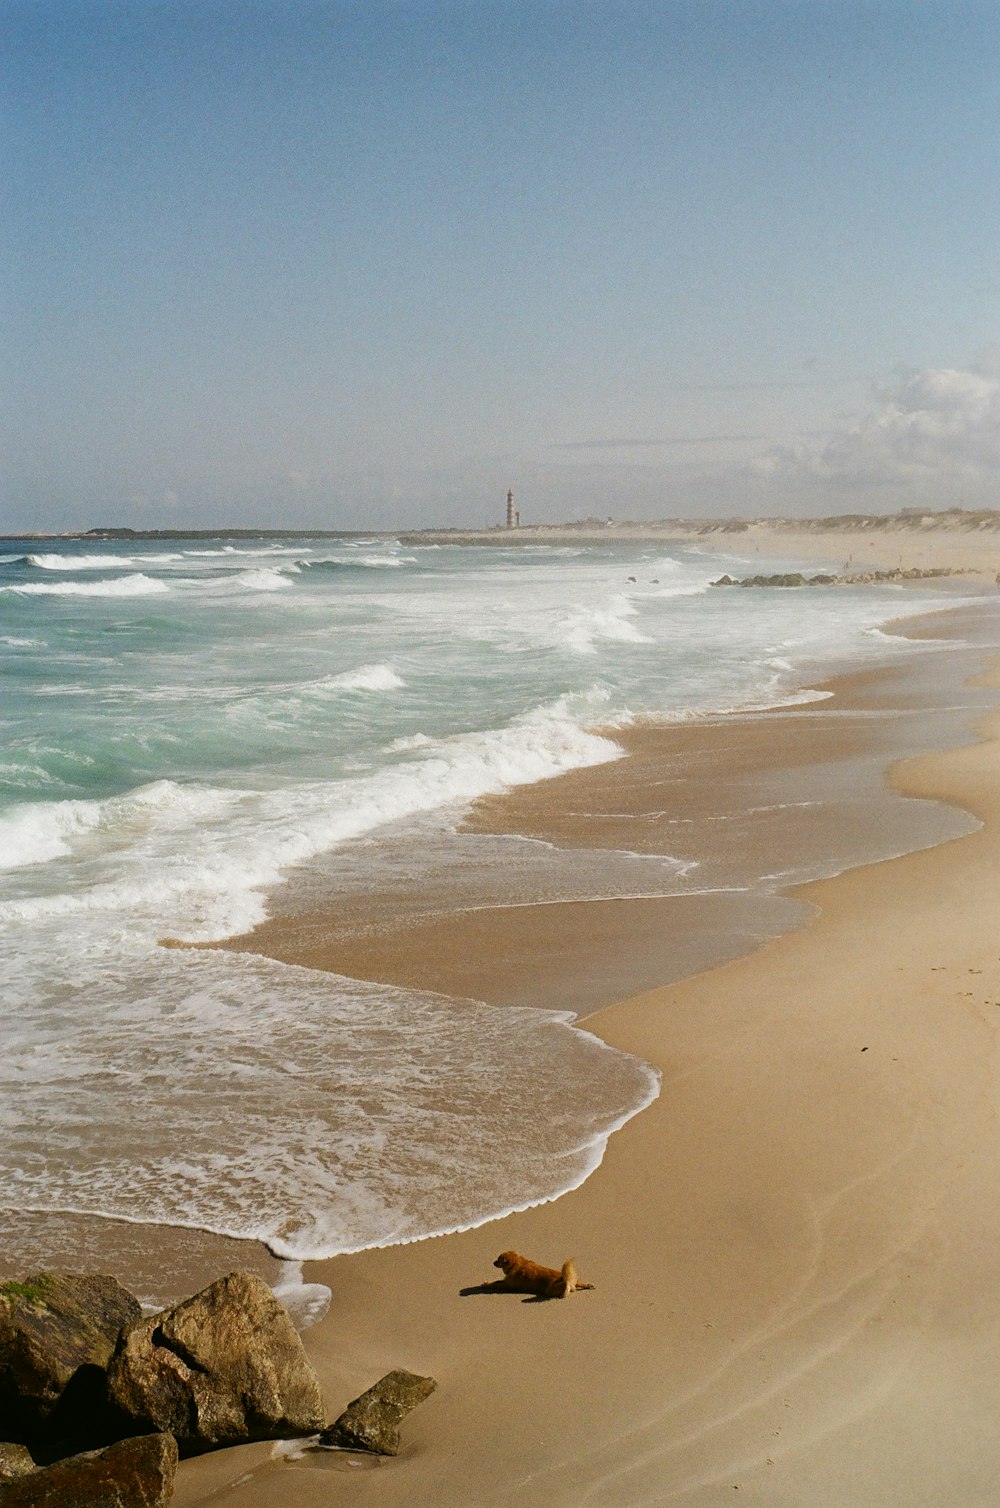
(184, 724)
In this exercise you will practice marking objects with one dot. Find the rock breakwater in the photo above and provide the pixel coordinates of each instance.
(858, 578)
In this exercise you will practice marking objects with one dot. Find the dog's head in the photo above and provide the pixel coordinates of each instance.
(507, 1260)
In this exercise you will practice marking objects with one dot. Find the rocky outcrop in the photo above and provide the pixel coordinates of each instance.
(136, 1473)
(57, 1332)
(222, 1368)
(371, 1421)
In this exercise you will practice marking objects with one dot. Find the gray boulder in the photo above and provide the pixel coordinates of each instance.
(370, 1422)
(56, 1328)
(221, 1368)
(137, 1473)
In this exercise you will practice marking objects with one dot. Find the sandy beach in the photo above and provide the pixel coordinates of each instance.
(794, 1249)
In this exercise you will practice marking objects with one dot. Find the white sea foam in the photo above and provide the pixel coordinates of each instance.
(296, 703)
(19, 775)
(37, 832)
(688, 589)
(264, 580)
(198, 859)
(128, 586)
(82, 562)
(583, 626)
(371, 562)
(365, 678)
(307, 1303)
(409, 743)
(221, 552)
(390, 1091)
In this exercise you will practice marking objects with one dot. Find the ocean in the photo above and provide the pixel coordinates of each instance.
(186, 725)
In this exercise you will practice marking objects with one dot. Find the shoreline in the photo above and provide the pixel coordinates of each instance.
(794, 1246)
(582, 955)
(561, 1443)
(777, 1309)
(684, 796)
(655, 954)
(767, 1238)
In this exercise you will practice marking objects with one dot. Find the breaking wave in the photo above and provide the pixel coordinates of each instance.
(138, 585)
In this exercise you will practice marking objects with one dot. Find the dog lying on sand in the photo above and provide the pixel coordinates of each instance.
(523, 1276)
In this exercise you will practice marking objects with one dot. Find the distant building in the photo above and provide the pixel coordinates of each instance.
(513, 517)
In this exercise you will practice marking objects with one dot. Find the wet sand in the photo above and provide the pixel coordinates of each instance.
(159, 1264)
(796, 1248)
(743, 806)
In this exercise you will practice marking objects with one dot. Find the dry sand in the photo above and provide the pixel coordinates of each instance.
(966, 542)
(852, 550)
(796, 1248)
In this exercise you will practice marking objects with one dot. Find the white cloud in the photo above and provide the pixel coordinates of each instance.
(939, 427)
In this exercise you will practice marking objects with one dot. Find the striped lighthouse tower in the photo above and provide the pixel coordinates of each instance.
(511, 515)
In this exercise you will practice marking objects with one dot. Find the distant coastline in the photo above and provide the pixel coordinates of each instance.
(909, 524)
(140, 534)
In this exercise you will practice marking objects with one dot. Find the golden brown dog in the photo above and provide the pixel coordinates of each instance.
(523, 1276)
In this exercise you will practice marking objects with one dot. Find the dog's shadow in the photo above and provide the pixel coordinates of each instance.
(500, 1287)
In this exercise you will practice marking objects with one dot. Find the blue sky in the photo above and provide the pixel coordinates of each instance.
(350, 265)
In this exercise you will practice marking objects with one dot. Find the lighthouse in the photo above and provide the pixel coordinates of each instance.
(513, 519)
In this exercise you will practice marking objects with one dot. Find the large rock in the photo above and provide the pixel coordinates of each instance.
(221, 1368)
(137, 1473)
(55, 1329)
(370, 1422)
(15, 1461)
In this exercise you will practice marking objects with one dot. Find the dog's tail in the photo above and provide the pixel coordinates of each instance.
(567, 1281)
(570, 1280)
